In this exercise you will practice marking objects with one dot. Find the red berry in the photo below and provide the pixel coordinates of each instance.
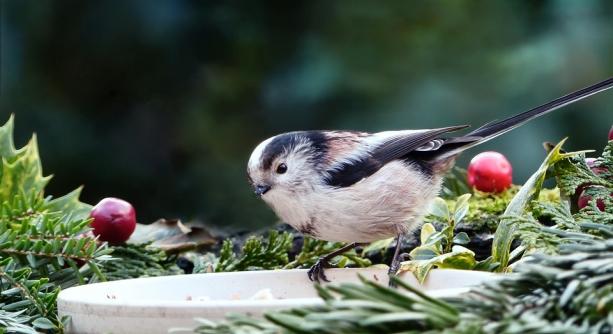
(490, 172)
(591, 163)
(597, 170)
(584, 200)
(611, 133)
(114, 220)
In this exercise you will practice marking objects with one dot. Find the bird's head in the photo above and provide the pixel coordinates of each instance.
(287, 164)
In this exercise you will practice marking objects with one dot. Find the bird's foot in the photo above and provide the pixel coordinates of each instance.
(394, 266)
(316, 273)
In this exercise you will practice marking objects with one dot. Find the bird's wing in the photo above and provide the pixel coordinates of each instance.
(397, 147)
(426, 147)
(379, 149)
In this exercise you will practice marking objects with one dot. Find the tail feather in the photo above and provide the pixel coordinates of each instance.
(496, 128)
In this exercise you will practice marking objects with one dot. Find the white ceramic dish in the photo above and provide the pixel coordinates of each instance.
(154, 305)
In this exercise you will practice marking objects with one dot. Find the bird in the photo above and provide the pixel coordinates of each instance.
(358, 187)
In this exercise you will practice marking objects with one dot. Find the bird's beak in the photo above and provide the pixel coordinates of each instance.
(261, 189)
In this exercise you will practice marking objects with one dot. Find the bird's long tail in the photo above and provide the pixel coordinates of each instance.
(494, 129)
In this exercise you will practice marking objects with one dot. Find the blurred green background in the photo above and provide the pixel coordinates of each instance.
(161, 102)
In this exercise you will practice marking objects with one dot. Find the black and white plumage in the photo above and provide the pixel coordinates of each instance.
(360, 187)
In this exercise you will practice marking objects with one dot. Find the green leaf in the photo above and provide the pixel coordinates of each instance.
(419, 268)
(458, 258)
(7, 148)
(22, 174)
(70, 203)
(31, 260)
(378, 246)
(394, 318)
(424, 253)
(436, 238)
(528, 192)
(486, 265)
(342, 263)
(461, 208)
(426, 231)
(461, 239)
(44, 323)
(440, 209)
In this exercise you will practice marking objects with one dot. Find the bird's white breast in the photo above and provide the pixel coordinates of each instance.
(393, 200)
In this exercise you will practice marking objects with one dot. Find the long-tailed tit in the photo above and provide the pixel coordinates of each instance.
(358, 187)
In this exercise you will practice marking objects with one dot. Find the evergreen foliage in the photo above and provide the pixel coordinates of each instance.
(44, 244)
(562, 281)
(133, 261)
(313, 249)
(272, 252)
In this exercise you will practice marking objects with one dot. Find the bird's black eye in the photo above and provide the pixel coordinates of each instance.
(282, 168)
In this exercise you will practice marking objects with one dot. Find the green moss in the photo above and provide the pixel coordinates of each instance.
(486, 208)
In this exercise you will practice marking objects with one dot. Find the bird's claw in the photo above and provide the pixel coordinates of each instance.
(316, 273)
(394, 266)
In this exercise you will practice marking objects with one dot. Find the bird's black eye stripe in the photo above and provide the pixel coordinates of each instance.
(282, 168)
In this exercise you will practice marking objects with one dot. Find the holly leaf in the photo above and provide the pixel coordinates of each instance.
(70, 203)
(22, 173)
(7, 147)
